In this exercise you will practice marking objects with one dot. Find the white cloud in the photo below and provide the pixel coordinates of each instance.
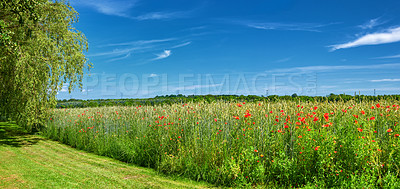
(385, 80)
(159, 16)
(385, 57)
(163, 55)
(312, 27)
(120, 58)
(140, 42)
(283, 60)
(119, 52)
(64, 88)
(108, 7)
(153, 75)
(388, 36)
(181, 45)
(306, 69)
(371, 23)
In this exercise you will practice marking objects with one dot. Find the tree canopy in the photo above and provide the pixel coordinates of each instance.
(40, 50)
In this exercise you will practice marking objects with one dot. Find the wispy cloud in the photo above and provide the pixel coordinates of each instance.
(160, 15)
(388, 36)
(372, 23)
(140, 42)
(163, 55)
(64, 88)
(108, 7)
(120, 58)
(123, 8)
(387, 57)
(311, 27)
(119, 52)
(307, 69)
(153, 75)
(181, 45)
(133, 46)
(283, 60)
(385, 80)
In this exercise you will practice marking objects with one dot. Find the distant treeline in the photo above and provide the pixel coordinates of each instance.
(170, 99)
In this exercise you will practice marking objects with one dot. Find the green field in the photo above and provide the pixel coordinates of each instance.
(231, 143)
(31, 161)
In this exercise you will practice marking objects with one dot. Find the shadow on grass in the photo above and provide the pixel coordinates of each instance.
(15, 136)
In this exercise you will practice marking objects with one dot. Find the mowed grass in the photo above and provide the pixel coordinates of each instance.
(31, 161)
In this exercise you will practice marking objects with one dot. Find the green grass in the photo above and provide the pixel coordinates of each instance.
(31, 161)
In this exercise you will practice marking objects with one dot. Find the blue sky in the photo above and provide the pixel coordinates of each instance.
(141, 49)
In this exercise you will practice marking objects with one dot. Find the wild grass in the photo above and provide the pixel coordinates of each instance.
(32, 161)
(287, 144)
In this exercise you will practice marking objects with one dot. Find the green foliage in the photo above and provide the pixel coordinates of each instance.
(39, 51)
(171, 99)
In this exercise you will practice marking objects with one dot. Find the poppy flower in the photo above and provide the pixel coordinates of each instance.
(359, 129)
(389, 130)
(378, 105)
(316, 148)
(372, 118)
(315, 119)
(326, 116)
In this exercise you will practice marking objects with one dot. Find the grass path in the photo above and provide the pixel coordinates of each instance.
(31, 161)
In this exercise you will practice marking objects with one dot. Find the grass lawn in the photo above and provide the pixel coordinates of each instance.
(31, 161)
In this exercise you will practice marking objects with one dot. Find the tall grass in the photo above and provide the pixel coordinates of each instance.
(234, 144)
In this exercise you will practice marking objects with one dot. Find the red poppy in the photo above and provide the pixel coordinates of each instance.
(326, 116)
(372, 118)
(277, 120)
(286, 126)
(396, 135)
(356, 116)
(359, 129)
(378, 105)
(362, 112)
(247, 115)
(389, 130)
(315, 119)
(315, 108)
(316, 148)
